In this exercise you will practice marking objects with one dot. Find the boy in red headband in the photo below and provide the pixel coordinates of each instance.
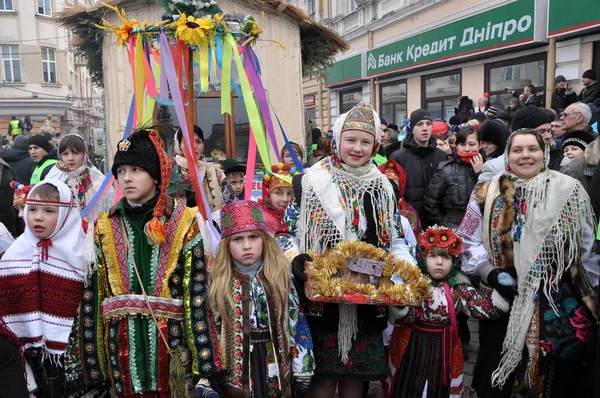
(426, 356)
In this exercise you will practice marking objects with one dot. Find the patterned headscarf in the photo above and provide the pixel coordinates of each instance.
(362, 118)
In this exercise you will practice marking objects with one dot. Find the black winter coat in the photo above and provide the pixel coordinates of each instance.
(22, 164)
(561, 99)
(449, 191)
(420, 164)
(590, 93)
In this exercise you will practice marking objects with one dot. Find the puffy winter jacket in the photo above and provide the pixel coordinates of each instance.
(589, 94)
(449, 191)
(21, 163)
(420, 164)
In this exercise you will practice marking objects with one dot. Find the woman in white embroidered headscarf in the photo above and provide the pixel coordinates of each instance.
(345, 197)
(538, 225)
(41, 282)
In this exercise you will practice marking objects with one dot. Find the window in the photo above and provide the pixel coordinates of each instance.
(12, 64)
(45, 7)
(393, 102)
(6, 5)
(499, 75)
(440, 93)
(49, 65)
(222, 133)
(349, 99)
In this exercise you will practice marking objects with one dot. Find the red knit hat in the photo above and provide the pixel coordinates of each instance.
(439, 128)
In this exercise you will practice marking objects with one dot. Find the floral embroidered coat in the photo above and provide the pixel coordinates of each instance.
(289, 352)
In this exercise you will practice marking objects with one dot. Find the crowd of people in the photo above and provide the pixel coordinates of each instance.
(100, 296)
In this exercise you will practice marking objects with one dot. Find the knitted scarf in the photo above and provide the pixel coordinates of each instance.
(41, 281)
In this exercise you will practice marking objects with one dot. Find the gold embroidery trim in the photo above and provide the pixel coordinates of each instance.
(110, 255)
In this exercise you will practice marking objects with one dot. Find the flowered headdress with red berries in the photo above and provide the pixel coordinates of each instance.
(440, 237)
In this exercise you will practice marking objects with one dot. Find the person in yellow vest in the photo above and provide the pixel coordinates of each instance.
(48, 122)
(44, 155)
(15, 127)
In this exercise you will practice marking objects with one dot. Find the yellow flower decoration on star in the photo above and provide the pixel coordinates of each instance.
(124, 31)
(193, 31)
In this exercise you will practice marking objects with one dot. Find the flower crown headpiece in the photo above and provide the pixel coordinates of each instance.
(441, 237)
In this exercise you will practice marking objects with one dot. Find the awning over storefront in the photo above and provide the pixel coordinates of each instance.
(509, 25)
(345, 71)
(569, 16)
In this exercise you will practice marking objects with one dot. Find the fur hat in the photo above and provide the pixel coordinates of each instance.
(589, 74)
(144, 149)
(21, 142)
(529, 117)
(495, 132)
(578, 138)
(418, 115)
(241, 216)
(41, 141)
(272, 182)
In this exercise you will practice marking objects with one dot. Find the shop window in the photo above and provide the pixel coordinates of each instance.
(440, 93)
(500, 75)
(349, 99)
(392, 98)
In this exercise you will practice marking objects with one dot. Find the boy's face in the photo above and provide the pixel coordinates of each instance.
(41, 220)
(199, 146)
(36, 153)
(136, 183)
(236, 181)
(281, 197)
(21, 209)
(438, 266)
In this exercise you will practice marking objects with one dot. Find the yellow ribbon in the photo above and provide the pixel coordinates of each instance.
(139, 76)
(204, 65)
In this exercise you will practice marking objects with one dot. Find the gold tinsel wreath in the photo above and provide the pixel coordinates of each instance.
(325, 281)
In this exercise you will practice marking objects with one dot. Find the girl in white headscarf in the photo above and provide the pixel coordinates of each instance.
(41, 282)
(345, 197)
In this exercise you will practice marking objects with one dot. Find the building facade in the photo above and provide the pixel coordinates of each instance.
(40, 74)
(408, 54)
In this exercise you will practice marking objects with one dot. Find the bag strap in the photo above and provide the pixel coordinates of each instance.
(137, 274)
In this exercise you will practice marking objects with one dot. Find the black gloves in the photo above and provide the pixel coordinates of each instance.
(300, 386)
(508, 292)
(298, 274)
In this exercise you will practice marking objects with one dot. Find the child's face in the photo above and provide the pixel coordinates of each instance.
(73, 160)
(246, 247)
(41, 220)
(199, 146)
(287, 158)
(438, 266)
(356, 147)
(136, 183)
(236, 181)
(281, 197)
(21, 209)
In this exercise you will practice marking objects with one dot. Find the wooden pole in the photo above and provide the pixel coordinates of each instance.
(189, 93)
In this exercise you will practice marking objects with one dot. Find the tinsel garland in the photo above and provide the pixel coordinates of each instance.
(326, 279)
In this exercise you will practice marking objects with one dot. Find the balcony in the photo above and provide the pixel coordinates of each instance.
(362, 16)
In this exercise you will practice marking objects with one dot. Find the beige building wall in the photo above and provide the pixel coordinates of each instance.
(282, 79)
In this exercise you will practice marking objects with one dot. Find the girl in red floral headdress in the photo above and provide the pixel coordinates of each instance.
(277, 195)
(426, 356)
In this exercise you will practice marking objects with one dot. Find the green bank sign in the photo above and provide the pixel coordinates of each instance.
(344, 71)
(568, 16)
(505, 26)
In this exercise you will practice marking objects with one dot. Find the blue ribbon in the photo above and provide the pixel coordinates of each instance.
(108, 180)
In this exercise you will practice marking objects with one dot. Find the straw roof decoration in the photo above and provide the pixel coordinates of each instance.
(319, 44)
